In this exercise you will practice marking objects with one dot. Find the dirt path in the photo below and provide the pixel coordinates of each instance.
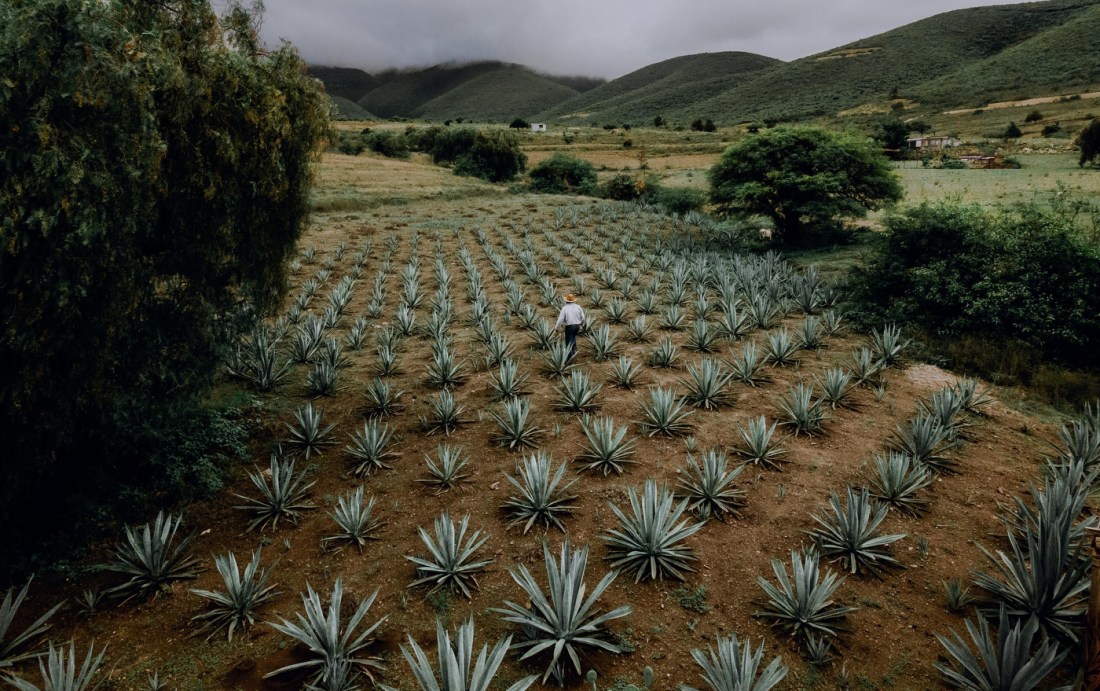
(1017, 104)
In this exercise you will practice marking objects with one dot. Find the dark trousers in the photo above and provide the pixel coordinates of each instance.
(571, 331)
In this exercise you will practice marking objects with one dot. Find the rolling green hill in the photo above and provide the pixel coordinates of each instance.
(671, 86)
(500, 95)
(349, 110)
(345, 82)
(936, 58)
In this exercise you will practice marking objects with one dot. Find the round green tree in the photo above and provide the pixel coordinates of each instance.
(1089, 143)
(155, 179)
(805, 179)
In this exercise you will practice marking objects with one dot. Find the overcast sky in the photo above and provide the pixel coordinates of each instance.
(605, 38)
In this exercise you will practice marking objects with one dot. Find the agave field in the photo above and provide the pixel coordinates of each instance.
(727, 488)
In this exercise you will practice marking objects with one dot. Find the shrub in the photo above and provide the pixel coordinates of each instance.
(1033, 116)
(1052, 129)
(679, 200)
(1089, 143)
(1012, 131)
(563, 174)
(389, 144)
(623, 187)
(494, 156)
(520, 124)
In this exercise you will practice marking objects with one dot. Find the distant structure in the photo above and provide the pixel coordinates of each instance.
(932, 143)
(538, 126)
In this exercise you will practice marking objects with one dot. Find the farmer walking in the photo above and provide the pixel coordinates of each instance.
(572, 318)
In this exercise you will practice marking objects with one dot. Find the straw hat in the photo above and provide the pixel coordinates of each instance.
(570, 298)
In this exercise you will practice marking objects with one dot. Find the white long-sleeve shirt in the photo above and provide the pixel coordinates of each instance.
(571, 314)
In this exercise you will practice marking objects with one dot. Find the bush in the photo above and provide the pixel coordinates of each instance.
(623, 187)
(1027, 277)
(448, 144)
(1033, 116)
(520, 124)
(494, 156)
(389, 144)
(1052, 129)
(679, 200)
(1089, 143)
(1012, 131)
(564, 174)
(349, 144)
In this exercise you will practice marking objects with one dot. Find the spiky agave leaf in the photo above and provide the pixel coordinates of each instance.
(449, 470)
(749, 366)
(973, 399)
(701, 338)
(780, 349)
(308, 433)
(283, 493)
(735, 668)
(357, 521)
(1006, 662)
(664, 414)
(625, 372)
(665, 354)
(945, 407)
(445, 370)
(638, 331)
(848, 533)
(455, 659)
(444, 414)
(802, 604)
(888, 344)
(330, 643)
(370, 447)
(925, 441)
(562, 621)
(708, 485)
(382, 399)
(758, 444)
(244, 593)
(150, 559)
(603, 342)
(865, 367)
(707, 385)
(542, 496)
(649, 540)
(13, 646)
(514, 428)
(507, 382)
(59, 671)
(557, 361)
(577, 393)
(732, 323)
(450, 563)
(800, 411)
(836, 388)
(607, 448)
(897, 480)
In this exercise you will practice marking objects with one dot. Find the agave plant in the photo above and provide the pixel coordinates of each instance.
(13, 647)
(701, 338)
(308, 433)
(848, 533)
(542, 496)
(638, 331)
(444, 414)
(557, 360)
(615, 311)
(758, 444)
(370, 447)
(957, 596)
(259, 364)
(673, 318)
(283, 494)
(323, 380)
(450, 563)
(1043, 575)
(865, 367)
(649, 541)
(577, 393)
(514, 428)
(445, 370)
(382, 399)
(1079, 443)
(59, 671)
(387, 365)
(945, 407)
(450, 468)
(801, 604)
(607, 448)
(736, 668)
(1005, 663)
(925, 441)
(888, 344)
(508, 382)
(562, 621)
(664, 414)
(603, 342)
(749, 366)
(357, 521)
(973, 399)
(497, 349)
(763, 310)
(897, 481)
(543, 335)
(707, 385)
(708, 485)
(832, 322)
(455, 659)
(150, 559)
(244, 593)
(780, 349)
(664, 355)
(732, 324)
(332, 645)
(800, 411)
(836, 388)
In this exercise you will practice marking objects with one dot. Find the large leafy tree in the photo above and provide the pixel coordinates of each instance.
(157, 161)
(1089, 143)
(805, 179)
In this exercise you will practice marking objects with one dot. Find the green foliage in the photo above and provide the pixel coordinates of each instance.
(455, 660)
(60, 672)
(1027, 276)
(1089, 143)
(520, 124)
(155, 180)
(563, 174)
(679, 200)
(1012, 131)
(236, 606)
(389, 144)
(488, 154)
(805, 179)
(13, 646)
(736, 667)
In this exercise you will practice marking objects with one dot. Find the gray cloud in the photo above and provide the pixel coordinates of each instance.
(604, 38)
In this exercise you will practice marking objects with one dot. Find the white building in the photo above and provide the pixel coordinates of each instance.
(538, 126)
